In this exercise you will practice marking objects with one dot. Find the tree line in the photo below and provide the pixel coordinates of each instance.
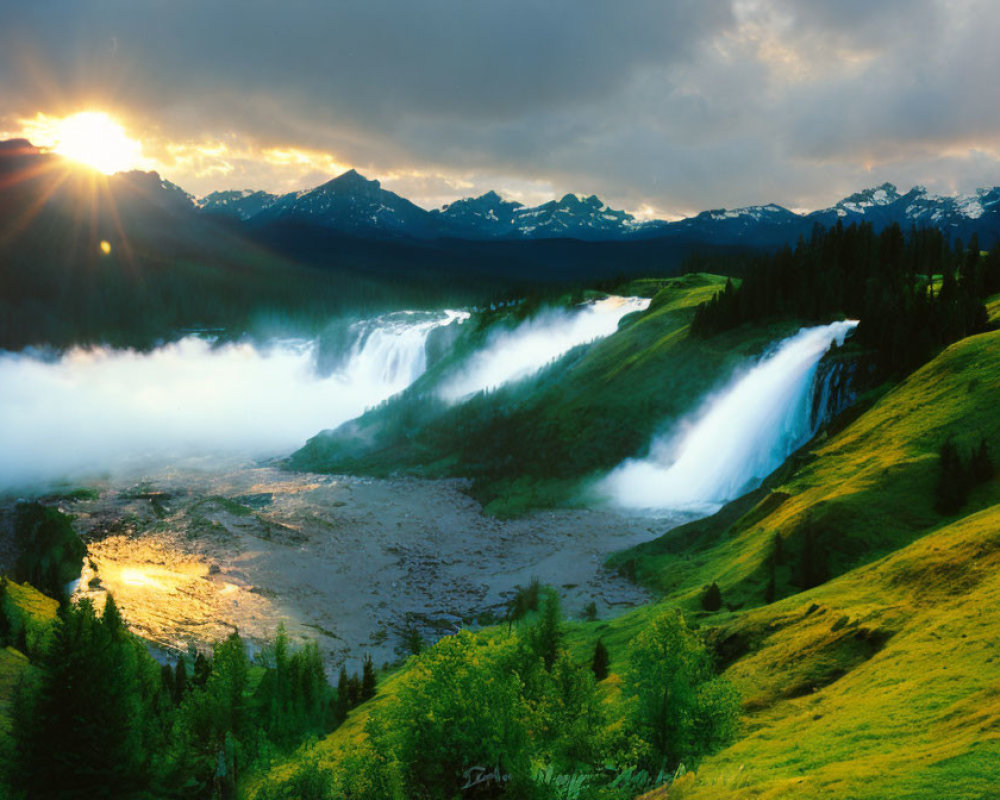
(96, 715)
(509, 711)
(912, 293)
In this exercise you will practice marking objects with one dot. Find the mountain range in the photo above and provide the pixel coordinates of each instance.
(353, 204)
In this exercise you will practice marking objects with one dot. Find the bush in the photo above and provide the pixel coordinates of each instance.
(309, 782)
(525, 600)
(460, 707)
(546, 635)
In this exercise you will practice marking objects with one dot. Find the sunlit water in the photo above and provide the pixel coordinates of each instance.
(738, 436)
(97, 410)
(512, 355)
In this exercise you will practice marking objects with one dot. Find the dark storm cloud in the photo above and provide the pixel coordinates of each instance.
(679, 105)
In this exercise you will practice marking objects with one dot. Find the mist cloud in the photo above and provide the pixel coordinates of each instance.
(95, 411)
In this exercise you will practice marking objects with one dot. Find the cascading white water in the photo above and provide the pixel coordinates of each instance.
(512, 355)
(391, 351)
(99, 410)
(739, 435)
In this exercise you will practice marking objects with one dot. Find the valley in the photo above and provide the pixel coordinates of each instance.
(349, 539)
(354, 564)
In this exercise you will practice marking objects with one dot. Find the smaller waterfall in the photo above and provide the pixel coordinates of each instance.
(390, 352)
(739, 435)
(512, 355)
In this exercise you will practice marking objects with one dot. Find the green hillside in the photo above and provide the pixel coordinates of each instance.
(575, 413)
(882, 681)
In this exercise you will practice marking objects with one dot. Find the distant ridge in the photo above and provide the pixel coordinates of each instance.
(353, 204)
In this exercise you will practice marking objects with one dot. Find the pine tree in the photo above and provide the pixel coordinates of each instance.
(368, 679)
(546, 635)
(953, 482)
(202, 670)
(112, 617)
(712, 599)
(600, 662)
(353, 691)
(167, 680)
(90, 681)
(5, 626)
(343, 701)
(982, 465)
(813, 568)
(180, 680)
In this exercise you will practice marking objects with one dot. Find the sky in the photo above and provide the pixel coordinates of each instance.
(661, 107)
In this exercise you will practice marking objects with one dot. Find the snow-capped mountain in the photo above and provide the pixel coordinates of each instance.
(486, 216)
(242, 204)
(350, 203)
(574, 218)
(760, 226)
(958, 215)
(353, 204)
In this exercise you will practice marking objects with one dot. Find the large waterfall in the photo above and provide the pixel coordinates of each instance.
(738, 436)
(98, 410)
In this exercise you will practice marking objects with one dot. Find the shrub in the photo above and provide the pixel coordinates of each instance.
(461, 706)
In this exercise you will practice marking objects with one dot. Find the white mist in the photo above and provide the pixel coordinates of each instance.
(738, 436)
(513, 355)
(93, 411)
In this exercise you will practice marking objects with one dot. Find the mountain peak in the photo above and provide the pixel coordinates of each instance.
(868, 198)
(352, 180)
(18, 147)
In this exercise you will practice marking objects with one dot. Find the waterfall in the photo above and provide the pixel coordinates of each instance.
(98, 410)
(514, 354)
(390, 352)
(739, 435)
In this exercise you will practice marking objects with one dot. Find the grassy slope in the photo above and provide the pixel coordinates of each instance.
(38, 612)
(865, 491)
(885, 681)
(916, 712)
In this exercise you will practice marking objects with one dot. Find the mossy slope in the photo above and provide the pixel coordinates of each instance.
(882, 683)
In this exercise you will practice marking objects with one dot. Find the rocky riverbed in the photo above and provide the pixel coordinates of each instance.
(353, 563)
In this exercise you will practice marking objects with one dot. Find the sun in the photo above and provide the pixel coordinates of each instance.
(95, 139)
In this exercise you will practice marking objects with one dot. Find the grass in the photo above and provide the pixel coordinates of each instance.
(36, 613)
(888, 688)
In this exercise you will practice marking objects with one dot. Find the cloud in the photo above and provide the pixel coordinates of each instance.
(673, 105)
